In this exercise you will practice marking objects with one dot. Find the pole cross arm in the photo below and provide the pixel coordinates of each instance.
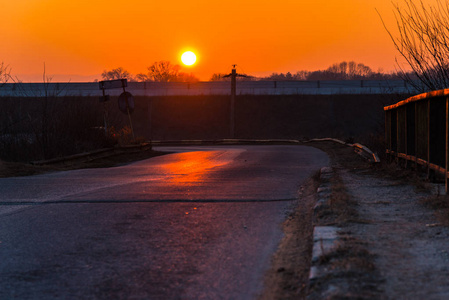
(238, 75)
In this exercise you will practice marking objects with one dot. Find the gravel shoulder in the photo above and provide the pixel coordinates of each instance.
(410, 248)
(391, 245)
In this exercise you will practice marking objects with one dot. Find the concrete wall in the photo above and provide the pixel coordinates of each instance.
(211, 88)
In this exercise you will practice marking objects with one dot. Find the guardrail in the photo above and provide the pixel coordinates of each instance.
(360, 149)
(416, 131)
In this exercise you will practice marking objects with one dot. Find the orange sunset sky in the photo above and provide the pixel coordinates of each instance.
(78, 40)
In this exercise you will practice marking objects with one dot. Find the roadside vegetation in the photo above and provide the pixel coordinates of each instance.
(165, 71)
(440, 205)
(36, 128)
(160, 71)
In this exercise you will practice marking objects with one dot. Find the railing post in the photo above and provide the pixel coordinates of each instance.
(387, 134)
(406, 129)
(232, 113)
(428, 138)
(398, 134)
(447, 147)
(415, 107)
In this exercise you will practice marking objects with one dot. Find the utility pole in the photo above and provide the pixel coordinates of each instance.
(233, 76)
(232, 113)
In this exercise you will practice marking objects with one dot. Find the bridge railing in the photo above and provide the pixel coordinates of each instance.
(416, 131)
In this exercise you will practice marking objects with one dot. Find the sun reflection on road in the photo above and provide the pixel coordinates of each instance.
(187, 175)
(191, 168)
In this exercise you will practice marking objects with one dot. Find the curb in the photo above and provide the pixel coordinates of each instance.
(325, 238)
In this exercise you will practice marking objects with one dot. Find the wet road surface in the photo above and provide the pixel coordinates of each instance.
(201, 223)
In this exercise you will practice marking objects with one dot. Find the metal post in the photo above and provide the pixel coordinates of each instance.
(150, 127)
(416, 134)
(387, 134)
(447, 147)
(428, 138)
(405, 136)
(105, 114)
(232, 110)
(129, 114)
(397, 136)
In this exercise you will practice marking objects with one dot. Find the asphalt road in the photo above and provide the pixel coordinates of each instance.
(201, 223)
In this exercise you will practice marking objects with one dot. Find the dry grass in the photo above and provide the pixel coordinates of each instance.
(38, 128)
(288, 276)
(341, 207)
(439, 203)
(350, 256)
(351, 269)
(342, 204)
(342, 156)
(392, 170)
(352, 273)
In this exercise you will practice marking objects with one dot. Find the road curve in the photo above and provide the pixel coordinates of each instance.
(200, 223)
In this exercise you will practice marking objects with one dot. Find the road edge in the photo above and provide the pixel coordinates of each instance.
(325, 238)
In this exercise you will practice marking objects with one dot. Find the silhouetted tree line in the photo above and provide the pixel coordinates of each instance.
(164, 71)
(339, 71)
(161, 71)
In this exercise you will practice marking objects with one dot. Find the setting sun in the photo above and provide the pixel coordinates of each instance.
(188, 58)
(262, 38)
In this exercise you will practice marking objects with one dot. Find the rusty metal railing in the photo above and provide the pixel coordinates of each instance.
(416, 131)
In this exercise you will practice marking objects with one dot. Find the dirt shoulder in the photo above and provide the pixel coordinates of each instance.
(288, 276)
(392, 244)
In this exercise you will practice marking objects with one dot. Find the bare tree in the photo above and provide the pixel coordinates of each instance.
(118, 73)
(423, 41)
(161, 71)
(339, 70)
(301, 75)
(5, 73)
(358, 70)
(349, 70)
(143, 77)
